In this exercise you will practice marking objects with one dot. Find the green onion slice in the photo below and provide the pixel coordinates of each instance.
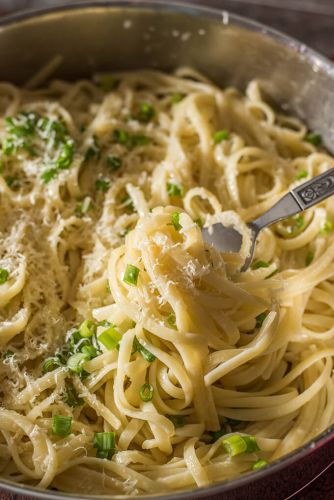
(114, 162)
(104, 441)
(259, 264)
(176, 97)
(71, 397)
(146, 112)
(51, 364)
(49, 174)
(61, 425)
(131, 275)
(314, 138)
(177, 420)
(199, 222)
(309, 258)
(102, 185)
(110, 337)
(326, 228)
(76, 361)
(121, 136)
(146, 392)
(251, 444)
(237, 444)
(4, 274)
(87, 328)
(94, 150)
(234, 445)
(302, 174)
(259, 464)
(176, 221)
(143, 351)
(171, 320)
(220, 135)
(174, 189)
(108, 82)
(260, 319)
(108, 454)
(140, 140)
(215, 435)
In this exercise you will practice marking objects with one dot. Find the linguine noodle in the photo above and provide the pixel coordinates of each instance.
(117, 318)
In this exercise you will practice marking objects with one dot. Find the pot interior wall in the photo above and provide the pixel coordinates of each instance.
(227, 50)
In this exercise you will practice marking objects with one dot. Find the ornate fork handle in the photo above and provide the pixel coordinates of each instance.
(315, 190)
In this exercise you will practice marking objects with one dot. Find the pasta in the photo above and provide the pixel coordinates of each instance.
(135, 358)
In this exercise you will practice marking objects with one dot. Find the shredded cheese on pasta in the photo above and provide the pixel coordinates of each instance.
(104, 188)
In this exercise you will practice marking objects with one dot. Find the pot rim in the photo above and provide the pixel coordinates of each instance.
(227, 18)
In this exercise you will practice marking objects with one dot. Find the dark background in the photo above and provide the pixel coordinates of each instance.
(311, 21)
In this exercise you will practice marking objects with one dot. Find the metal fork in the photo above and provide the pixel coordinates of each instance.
(228, 239)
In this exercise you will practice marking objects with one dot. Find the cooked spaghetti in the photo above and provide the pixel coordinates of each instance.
(134, 358)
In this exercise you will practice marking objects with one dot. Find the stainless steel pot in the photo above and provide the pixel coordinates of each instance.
(231, 50)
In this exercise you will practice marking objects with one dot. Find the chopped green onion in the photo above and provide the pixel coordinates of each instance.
(131, 275)
(76, 361)
(61, 425)
(49, 174)
(176, 97)
(121, 136)
(302, 174)
(221, 135)
(127, 204)
(12, 182)
(176, 221)
(102, 185)
(326, 227)
(309, 258)
(177, 420)
(4, 274)
(104, 441)
(87, 328)
(199, 222)
(143, 351)
(114, 162)
(83, 207)
(234, 445)
(71, 397)
(259, 464)
(8, 146)
(105, 323)
(237, 444)
(140, 140)
(90, 350)
(259, 264)
(65, 158)
(215, 435)
(124, 232)
(110, 338)
(108, 82)
(251, 444)
(51, 364)
(174, 189)
(108, 454)
(314, 138)
(8, 354)
(146, 392)
(272, 274)
(260, 319)
(94, 150)
(299, 221)
(146, 112)
(171, 319)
